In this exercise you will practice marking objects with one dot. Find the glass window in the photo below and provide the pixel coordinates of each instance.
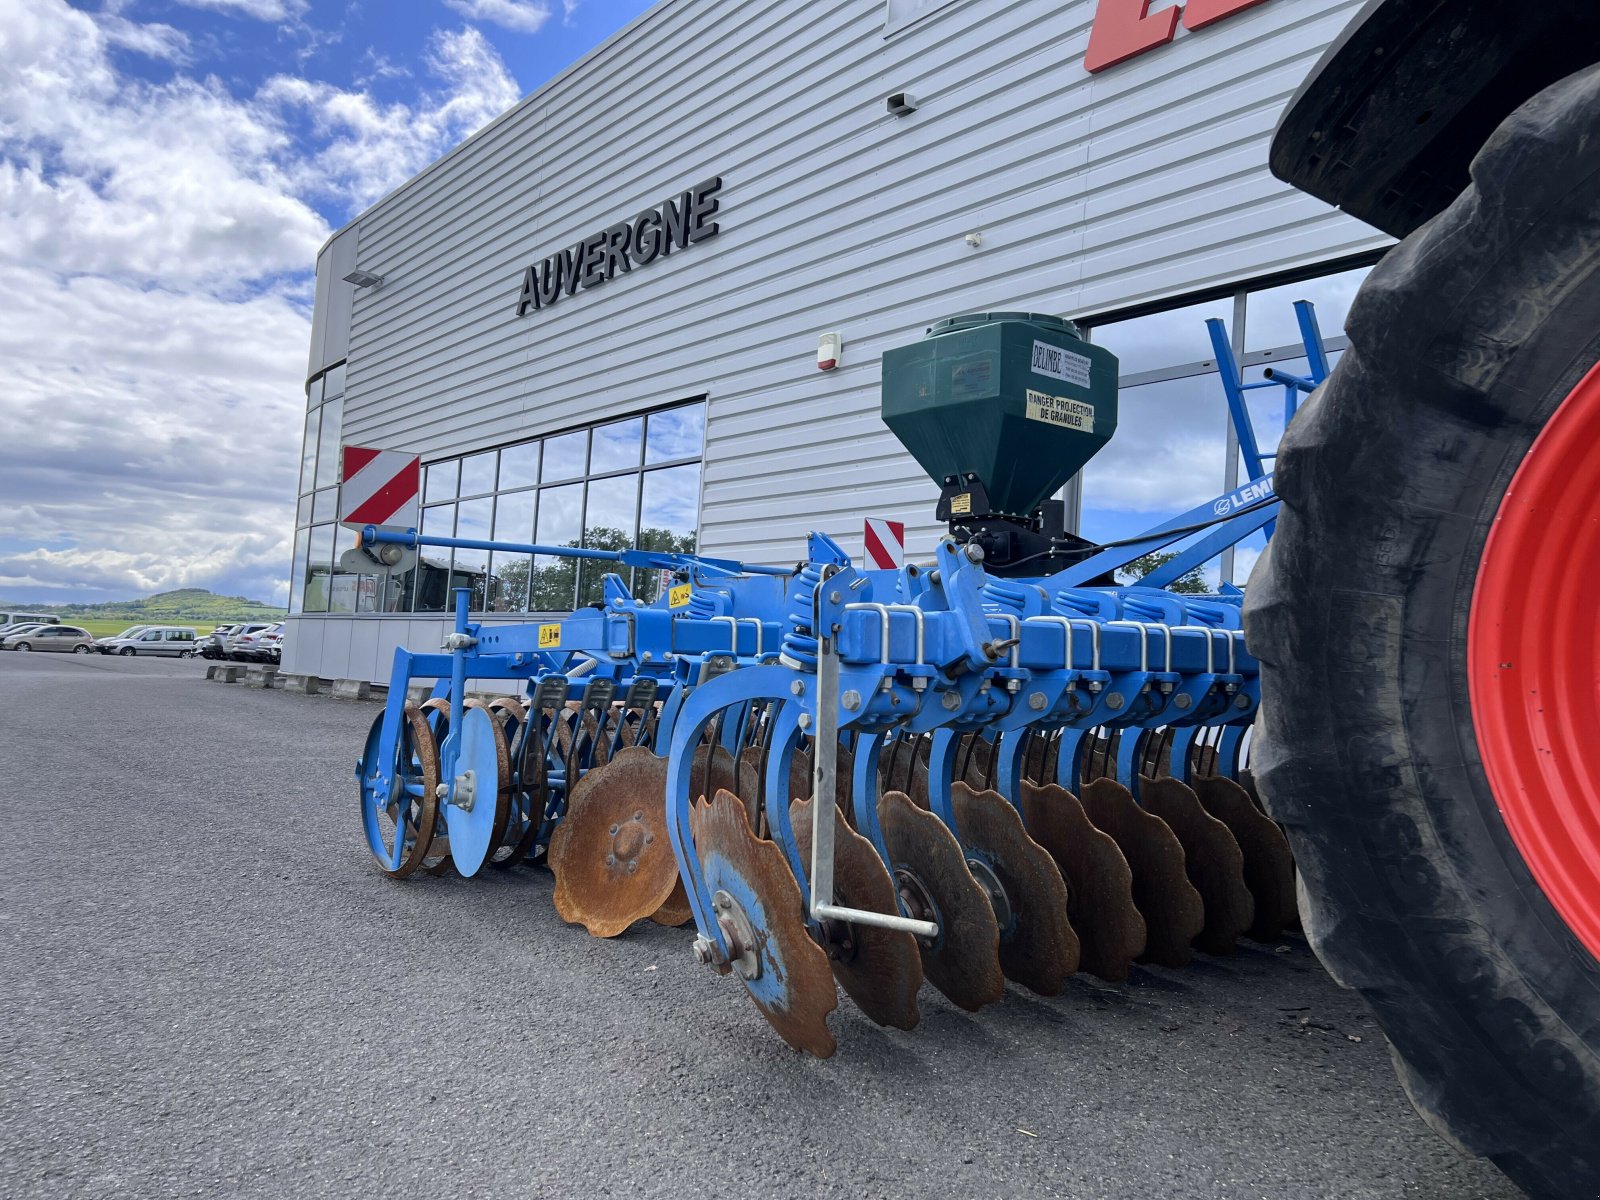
(668, 514)
(477, 474)
(333, 382)
(616, 446)
(433, 562)
(314, 392)
(319, 566)
(675, 434)
(297, 570)
(440, 481)
(554, 582)
(303, 513)
(308, 450)
(519, 466)
(1165, 339)
(343, 584)
(1271, 320)
(513, 522)
(610, 523)
(328, 444)
(566, 457)
(474, 519)
(325, 506)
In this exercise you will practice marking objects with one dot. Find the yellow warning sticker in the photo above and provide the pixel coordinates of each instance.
(1060, 410)
(961, 506)
(549, 635)
(678, 596)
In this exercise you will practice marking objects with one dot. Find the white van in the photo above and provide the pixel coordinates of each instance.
(176, 641)
(22, 618)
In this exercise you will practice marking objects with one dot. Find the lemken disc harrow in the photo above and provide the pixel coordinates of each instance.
(1022, 776)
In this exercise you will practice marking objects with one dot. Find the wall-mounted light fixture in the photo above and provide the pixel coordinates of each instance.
(363, 279)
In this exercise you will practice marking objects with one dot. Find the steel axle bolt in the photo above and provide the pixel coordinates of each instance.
(798, 687)
(852, 700)
(951, 701)
(1037, 702)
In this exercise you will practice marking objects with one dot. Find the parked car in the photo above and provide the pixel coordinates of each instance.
(66, 638)
(265, 645)
(175, 641)
(19, 626)
(132, 631)
(22, 618)
(231, 644)
(215, 643)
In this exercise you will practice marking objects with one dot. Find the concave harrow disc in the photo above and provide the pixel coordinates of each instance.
(410, 817)
(931, 873)
(1038, 948)
(1268, 864)
(1100, 903)
(1212, 859)
(880, 969)
(483, 764)
(611, 856)
(1172, 910)
(676, 910)
(758, 907)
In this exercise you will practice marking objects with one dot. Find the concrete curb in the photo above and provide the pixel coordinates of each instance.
(304, 685)
(352, 689)
(225, 672)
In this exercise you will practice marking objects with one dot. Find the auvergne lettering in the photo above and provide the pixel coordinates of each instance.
(676, 223)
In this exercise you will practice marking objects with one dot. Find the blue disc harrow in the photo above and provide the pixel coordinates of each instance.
(1020, 776)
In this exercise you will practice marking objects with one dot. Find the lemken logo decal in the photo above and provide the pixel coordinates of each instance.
(1246, 496)
(673, 224)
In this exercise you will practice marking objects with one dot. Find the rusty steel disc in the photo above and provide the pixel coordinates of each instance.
(1100, 904)
(1212, 859)
(880, 969)
(437, 861)
(676, 910)
(752, 789)
(930, 873)
(1247, 780)
(1038, 948)
(1268, 864)
(1172, 910)
(759, 909)
(610, 853)
(713, 768)
(975, 762)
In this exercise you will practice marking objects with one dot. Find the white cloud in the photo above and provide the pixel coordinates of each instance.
(369, 148)
(153, 40)
(261, 10)
(524, 16)
(160, 236)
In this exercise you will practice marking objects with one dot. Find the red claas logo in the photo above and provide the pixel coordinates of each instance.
(1125, 29)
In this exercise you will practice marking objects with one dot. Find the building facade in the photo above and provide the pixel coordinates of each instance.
(598, 319)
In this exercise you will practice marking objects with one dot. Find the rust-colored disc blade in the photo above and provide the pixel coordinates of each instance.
(1172, 910)
(1247, 780)
(1268, 865)
(1039, 948)
(1099, 881)
(976, 756)
(927, 863)
(676, 910)
(724, 772)
(751, 789)
(787, 973)
(880, 969)
(917, 793)
(1212, 858)
(610, 853)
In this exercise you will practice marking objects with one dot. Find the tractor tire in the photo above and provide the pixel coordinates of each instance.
(1372, 748)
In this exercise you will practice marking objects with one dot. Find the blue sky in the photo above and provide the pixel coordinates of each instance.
(168, 169)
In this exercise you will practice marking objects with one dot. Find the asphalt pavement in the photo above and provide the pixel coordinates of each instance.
(210, 990)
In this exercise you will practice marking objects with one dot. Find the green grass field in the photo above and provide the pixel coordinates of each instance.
(109, 628)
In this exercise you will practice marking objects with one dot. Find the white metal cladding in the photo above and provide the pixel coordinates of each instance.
(1092, 193)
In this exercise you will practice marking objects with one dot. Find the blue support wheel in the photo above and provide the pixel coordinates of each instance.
(399, 783)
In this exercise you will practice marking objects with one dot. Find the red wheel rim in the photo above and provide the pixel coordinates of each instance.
(1533, 660)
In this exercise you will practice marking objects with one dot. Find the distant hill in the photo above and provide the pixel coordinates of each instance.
(184, 604)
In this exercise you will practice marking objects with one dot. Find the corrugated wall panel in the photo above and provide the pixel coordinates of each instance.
(1092, 193)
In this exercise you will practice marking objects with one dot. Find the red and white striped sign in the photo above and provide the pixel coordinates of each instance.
(378, 487)
(885, 544)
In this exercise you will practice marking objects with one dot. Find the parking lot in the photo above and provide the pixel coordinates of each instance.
(213, 992)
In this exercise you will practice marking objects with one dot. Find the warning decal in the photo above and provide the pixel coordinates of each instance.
(1060, 410)
(1061, 364)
